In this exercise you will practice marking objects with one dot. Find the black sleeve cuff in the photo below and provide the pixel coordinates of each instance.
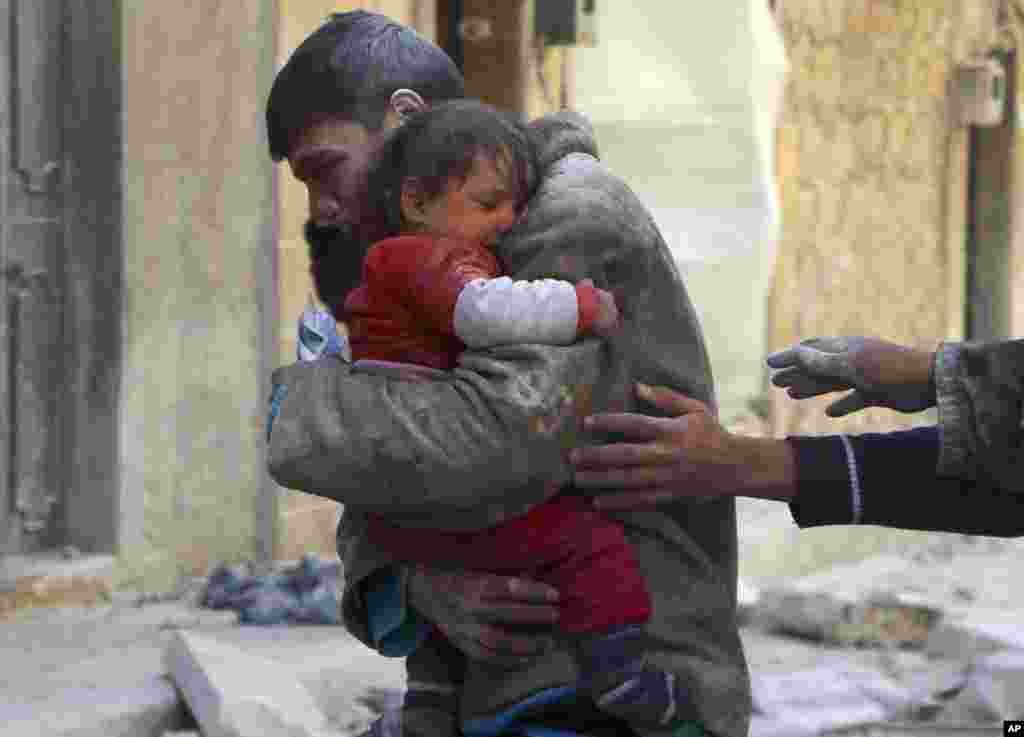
(824, 494)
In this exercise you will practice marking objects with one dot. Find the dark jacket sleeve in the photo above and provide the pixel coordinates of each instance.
(891, 482)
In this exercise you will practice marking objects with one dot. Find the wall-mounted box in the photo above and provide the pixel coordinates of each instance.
(979, 89)
(566, 22)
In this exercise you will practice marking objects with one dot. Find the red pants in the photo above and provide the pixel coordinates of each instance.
(563, 542)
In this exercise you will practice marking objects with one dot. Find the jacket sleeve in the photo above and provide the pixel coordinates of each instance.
(459, 293)
(851, 479)
(478, 446)
(498, 311)
(980, 390)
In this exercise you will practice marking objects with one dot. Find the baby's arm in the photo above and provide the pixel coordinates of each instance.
(461, 295)
(499, 311)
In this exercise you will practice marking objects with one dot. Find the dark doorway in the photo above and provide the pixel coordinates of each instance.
(60, 274)
(990, 219)
(449, 16)
(487, 41)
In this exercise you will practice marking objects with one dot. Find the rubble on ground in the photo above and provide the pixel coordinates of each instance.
(891, 641)
(864, 649)
(307, 593)
(926, 643)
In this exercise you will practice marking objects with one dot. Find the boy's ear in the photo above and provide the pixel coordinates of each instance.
(403, 103)
(413, 202)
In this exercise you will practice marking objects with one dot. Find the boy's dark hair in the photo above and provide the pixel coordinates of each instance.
(440, 144)
(349, 67)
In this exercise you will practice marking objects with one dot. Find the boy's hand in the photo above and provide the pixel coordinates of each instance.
(608, 313)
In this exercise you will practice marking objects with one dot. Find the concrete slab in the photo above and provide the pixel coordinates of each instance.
(51, 657)
(232, 693)
(345, 677)
(140, 710)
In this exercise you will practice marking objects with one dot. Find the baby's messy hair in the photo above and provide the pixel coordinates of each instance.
(440, 144)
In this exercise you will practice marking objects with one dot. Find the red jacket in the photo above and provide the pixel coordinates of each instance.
(406, 308)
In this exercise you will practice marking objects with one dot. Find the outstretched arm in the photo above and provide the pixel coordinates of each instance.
(885, 479)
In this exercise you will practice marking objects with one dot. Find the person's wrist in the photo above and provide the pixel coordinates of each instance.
(768, 467)
(914, 365)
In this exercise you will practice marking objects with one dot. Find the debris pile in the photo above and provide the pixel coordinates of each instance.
(883, 645)
(307, 593)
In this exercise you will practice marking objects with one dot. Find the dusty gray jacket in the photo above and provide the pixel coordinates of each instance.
(980, 390)
(488, 441)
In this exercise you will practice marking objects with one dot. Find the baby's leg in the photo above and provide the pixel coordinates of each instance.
(435, 674)
(612, 670)
(605, 604)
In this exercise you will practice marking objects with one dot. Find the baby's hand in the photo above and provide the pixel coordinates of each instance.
(608, 314)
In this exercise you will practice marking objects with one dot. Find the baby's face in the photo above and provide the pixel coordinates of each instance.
(479, 208)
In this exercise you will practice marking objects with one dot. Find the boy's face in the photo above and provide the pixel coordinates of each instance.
(331, 157)
(479, 208)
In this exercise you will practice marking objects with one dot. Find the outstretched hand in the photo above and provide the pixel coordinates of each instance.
(488, 617)
(663, 458)
(879, 373)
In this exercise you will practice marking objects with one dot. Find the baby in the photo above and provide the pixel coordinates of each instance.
(451, 181)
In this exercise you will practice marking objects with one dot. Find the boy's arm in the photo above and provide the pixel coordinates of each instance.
(460, 294)
(465, 452)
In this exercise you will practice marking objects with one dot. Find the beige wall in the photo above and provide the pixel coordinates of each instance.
(873, 180)
(680, 97)
(198, 218)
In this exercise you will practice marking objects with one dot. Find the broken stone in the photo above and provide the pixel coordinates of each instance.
(994, 690)
(234, 694)
(810, 615)
(880, 620)
(888, 619)
(976, 632)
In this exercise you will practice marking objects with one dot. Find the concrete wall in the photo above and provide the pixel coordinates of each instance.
(873, 178)
(682, 100)
(199, 291)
